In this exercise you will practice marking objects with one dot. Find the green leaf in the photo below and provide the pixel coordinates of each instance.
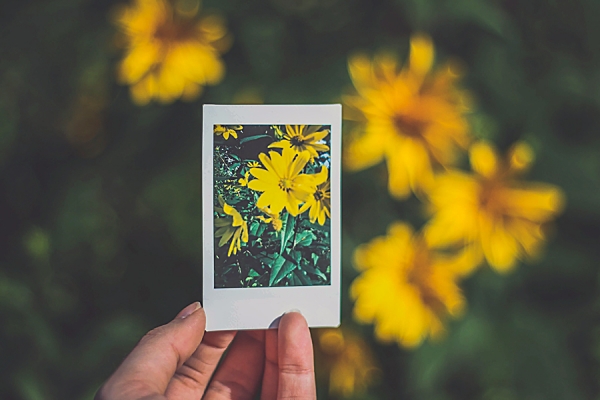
(251, 138)
(289, 230)
(297, 257)
(288, 267)
(301, 275)
(295, 281)
(261, 229)
(254, 228)
(305, 238)
(275, 268)
(323, 228)
(315, 271)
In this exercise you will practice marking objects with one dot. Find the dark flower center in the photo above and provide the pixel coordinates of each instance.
(286, 185)
(297, 140)
(489, 198)
(408, 126)
(175, 31)
(420, 277)
(319, 195)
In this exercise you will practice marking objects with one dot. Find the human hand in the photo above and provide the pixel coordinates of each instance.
(177, 361)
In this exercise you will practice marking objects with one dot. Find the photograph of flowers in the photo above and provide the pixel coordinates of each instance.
(272, 205)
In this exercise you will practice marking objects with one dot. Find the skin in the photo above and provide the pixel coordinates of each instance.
(179, 361)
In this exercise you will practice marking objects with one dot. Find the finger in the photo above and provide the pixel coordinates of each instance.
(271, 375)
(150, 366)
(296, 378)
(191, 379)
(239, 375)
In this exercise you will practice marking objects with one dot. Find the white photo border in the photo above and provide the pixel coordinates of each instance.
(260, 308)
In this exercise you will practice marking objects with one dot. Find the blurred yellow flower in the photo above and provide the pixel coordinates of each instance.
(271, 218)
(413, 117)
(169, 53)
(232, 227)
(346, 360)
(319, 202)
(253, 164)
(493, 212)
(406, 289)
(226, 131)
(281, 182)
(303, 138)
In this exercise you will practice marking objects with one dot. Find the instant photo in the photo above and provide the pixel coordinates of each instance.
(271, 214)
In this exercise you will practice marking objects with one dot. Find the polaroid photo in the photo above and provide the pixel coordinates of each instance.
(271, 214)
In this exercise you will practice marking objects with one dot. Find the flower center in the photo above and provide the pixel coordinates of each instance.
(169, 32)
(490, 197)
(420, 277)
(286, 184)
(297, 140)
(319, 195)
(408, 126)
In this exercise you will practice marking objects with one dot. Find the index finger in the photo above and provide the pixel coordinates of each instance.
(295, 375)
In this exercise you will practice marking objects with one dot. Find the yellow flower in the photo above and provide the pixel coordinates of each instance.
(303, 138)
(231, 227)
(493, 211)
(319, 202)
(281, 182)
(169, 53)
(346, 360)
(405, 288)
(244, 181)
(227, 130)
(253, 164)
(272, 218)
(413, 117)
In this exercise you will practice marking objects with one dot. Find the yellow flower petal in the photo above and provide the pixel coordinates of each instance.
(499, 247)
(484, 159)
(138, 62)
(421, 54)
(521, 156)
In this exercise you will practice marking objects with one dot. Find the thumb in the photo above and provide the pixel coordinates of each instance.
(149, 367)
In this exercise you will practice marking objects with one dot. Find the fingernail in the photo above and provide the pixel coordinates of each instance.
(189, 310)
(293, 310)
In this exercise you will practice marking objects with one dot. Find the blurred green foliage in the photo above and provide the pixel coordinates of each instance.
(100, 226)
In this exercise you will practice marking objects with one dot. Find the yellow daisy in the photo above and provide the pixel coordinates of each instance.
(319, 202)
(281, 182)
(227, 130)
(272, 218)
(169, 53)
(253, 164)
(405, 288)
(303, 138)
(493, 211)
(231, 227)
(412, 117)
(346, 360)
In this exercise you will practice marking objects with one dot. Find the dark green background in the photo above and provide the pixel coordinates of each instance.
(100, 214)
